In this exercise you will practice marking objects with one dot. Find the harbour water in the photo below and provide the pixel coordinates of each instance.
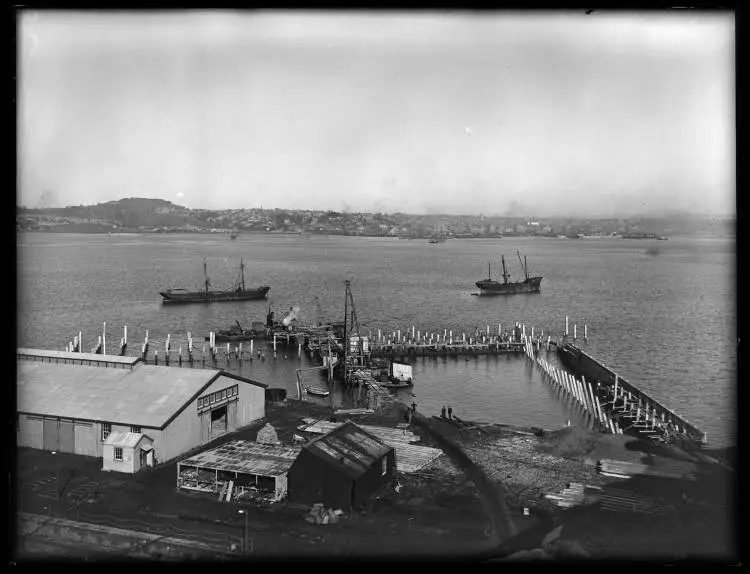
(663, 319)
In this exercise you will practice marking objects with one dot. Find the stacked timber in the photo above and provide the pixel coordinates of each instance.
(615, 500)
(572, 495)
(621, 469)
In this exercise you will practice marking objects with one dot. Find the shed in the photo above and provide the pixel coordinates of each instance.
(342, 469)
(239, 469)
(127, 452)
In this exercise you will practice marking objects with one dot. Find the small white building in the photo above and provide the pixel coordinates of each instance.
(127, 452)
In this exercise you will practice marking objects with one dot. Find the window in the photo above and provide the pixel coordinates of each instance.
(106, 429)
(384, 466)
(200, 403)
(223, 395)
(118, 453)
(135, 430)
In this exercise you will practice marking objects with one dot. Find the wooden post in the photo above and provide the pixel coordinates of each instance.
(251, 347)
(104, 338)
(566, 325)
(616, 387)
(80, 342)
(274, 342)
(598, 407)
(125, 336)
(585, 332)
(575, 331)
(532, 331)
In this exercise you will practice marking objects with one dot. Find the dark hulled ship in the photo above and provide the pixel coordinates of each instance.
(238, 293)
(506, 287)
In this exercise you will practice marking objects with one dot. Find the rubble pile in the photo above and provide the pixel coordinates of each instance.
(569, 441)
(267, 435)
(526, 473)
(319, 514)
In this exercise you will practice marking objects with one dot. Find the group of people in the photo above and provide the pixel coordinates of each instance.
(450, 413)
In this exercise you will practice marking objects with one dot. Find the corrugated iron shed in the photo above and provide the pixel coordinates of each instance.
(246, 457)
(349, 445)
(409, 457)
(145, 395)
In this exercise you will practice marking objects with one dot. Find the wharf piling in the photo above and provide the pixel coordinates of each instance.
(627, 405)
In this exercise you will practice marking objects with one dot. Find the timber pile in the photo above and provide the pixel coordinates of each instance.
(360, 411)
(621, 469)
(615, 500)
(572, 495)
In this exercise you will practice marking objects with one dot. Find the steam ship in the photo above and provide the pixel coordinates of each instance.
(528, 285)
(237, 293)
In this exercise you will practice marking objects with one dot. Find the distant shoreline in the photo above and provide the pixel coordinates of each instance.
(315, 234)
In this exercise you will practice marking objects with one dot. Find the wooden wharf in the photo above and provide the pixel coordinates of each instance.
(640, 413)
(611, 403)
(412, 342)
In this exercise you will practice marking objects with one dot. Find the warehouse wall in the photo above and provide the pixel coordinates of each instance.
(183, 434)
(252, 404)
(87, 438)
(30, 431)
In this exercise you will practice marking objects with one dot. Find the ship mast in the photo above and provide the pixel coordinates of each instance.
(242, 273)
(526, 268)
(489, 274)
(505, 272)
(523, 264)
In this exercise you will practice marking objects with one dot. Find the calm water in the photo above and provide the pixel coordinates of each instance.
(665, 322)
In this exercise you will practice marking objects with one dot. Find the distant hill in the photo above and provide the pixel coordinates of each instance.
(128, 213)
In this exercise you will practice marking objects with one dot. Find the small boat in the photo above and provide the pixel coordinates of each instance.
(506, 287)
(394, 375)
(234, 236)
(317, 392)
(238, 293)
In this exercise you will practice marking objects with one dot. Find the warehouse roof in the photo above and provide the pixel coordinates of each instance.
(350, 447)
(45, 354)
(145, 395)
(246, 457)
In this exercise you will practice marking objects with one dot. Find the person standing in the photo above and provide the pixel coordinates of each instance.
(450, 413)
(413, 407)
(442, 413)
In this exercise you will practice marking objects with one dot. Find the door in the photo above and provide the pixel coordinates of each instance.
(66, 440)
(49, 434)
(206, 427)
(232, 416)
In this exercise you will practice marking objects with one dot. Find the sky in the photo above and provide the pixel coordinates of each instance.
(498, 113)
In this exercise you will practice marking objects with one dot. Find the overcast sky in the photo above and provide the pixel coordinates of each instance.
(535, 113)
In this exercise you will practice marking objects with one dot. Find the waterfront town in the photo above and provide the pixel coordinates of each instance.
(138, 215)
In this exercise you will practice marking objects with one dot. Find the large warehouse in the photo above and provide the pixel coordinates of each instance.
(72, 402)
